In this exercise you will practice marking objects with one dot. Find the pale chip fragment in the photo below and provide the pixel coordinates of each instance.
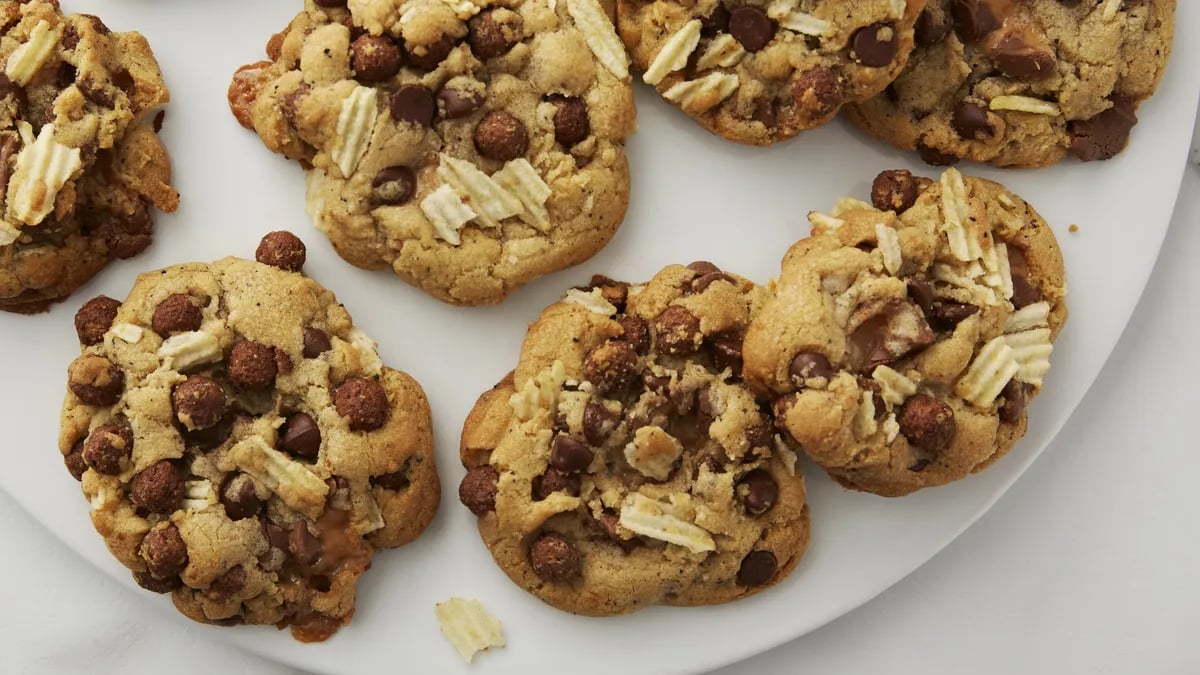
(468, 626)
(1110, 9)
(724, 51)
(600, 35)
(894, 386)
(491, 202)
(1004, 268)
(823, 223)
(185, 350)
(889, 246)
(27, 59)
(864, 425)
(198, 495)
(786, 455)
(1026, 104)
(465, 9)
(8, 234)
(127, 332)
(846, 204)
(539, 392)
(522, 181)
(992, 368)
(674, 53)
(979, 293)
(368, 518)
(1031, 350)
(955, 214)
(298, 487)
(659, 520)
(702, 94)
(1035, 315)
(788, 14)
(593, 301)
(368, 351)
(897, 8)
(355, 123)
(891, 428)
(447, 213)
(653, 452)
(39, 172)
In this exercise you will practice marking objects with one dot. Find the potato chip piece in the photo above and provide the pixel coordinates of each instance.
(465, 9)
(846, 204)
(301, 489)
(539, 392)
(889, 247)
(593, 301)
(1026, 104)
(490, 202)
(674, 53)
(127, 332)
(724, 51)
(955, 214)
(447, 213)
(39, 172)
(367, 516)
(864, 425)
(355, 123)
(600, 35)
(992, 368)
(894, 387)
(198, 495)
(1031, 349)
(8, 234)
(522, 181)
(653, 452)
(27, 59)
(702, 94)
(891, 428)
(368, 351)
(824, 224)
(659, 520)
(468, 626)
(788, 14)
(185, 350)
(1005, 271)
(1034, 315)
(1110, 9)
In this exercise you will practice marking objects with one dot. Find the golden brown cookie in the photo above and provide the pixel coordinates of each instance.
(470, 150)
(624, 464)
(1024, 82)
(81, 164)
(761, 72)
(903, 341)
(241, 444)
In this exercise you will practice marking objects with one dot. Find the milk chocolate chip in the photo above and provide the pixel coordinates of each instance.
(554, 559)
(363, 403)
(94, 319)
(894, 190)
(107, 447)
(164, 551)
(95, 380)
(252, 365)
(501, 136)
(176, 314)
(281, 249)
(927, 422)
(477, 491)
(199, 402)
(158, 488)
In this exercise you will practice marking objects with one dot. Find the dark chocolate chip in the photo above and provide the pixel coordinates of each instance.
(933, 25)
(316, 343)
(456, 103)
(598, 423)
(1018, 59)
(301, 436)
(946, 314)
(553, 481)
(303, 546)
(761, 491)
(570, 119)
(921, 293)
(413, 103)
(1104, 135)
(239, 497)
(808, 364)
(757, 569)
(1016, 396)
(970, 121)
(876, 45)
(430, 56)
(570, 455)
(935, 157)
(973, 19)
(752, 27)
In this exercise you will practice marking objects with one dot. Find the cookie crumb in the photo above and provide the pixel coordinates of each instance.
(1073, 229)
(468, 626)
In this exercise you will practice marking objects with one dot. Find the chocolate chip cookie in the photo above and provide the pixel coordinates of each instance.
(468, 148)
(1024, 82)
(761, 72)
(624, 463)
(904, 340)
(241, 444)
(80, 164)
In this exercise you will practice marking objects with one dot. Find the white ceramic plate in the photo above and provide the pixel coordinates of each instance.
(695, 197)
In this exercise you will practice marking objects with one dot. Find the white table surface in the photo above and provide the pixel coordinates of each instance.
(1090, 564)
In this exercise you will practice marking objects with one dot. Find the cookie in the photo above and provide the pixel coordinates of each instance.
(468, 149)
(80, 162)
(763, 72)
(1023, 83)
(241, 444)
(903, 341)
(624, 464)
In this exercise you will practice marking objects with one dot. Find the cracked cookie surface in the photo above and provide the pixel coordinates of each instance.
(241, 444)
(761, 72)
(903, 341)
(624, 464)
(468, 147)
(1024, 83)
(80, 165)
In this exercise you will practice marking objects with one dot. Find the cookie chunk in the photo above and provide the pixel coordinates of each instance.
(80, 164)
(469, 149)
(1024, 82)
(763, 72)
(903, 342)
(624, 463)
(241, 444)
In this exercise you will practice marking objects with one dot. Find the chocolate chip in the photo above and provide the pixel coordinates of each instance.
(199, 402)
(935, 157)
(74, 461)
(283, 362)
(818, 92)
(1017, 58)
(570, 119)
(429, 56)
(477, 491)
(598, 423)
(608, 521)
(164, 551)
(396, 480)
(1104, 135)
(363, 403)
(659, 384)
(302, 545)
(281, 249)
(456, 103)
(635, 331)
(702, 267)
(716, 22)
(894, 190)
(727, 354)
(501, 136)
(316, 343)
(553, 481)
(239, 497)
(158, 488)
(554, 559)
(413, 103)
(1016, 396)
(973, 19)
(212, 437)
(946, 314)
(1024, 292)
(807, 365)
(875, 45)
(759, 435)
(765, 112)
(176, 314)
(374, 58)
(919, 465)
(612, 367)
(615, 292)
(750, 26)
(920, 292)
(329, 3)
(926, 422)
(677, 331)
(252, 365)
(95, 380)
(701, 282)
(148, 582)
(757, 569)
(94, 319)
(493, 32)
(107, 447)
(893, 330)
(232, 581)
(761, 491)
(570, 455)
(970, 121)
(300, 436)
(933, 25)
(275, 535)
